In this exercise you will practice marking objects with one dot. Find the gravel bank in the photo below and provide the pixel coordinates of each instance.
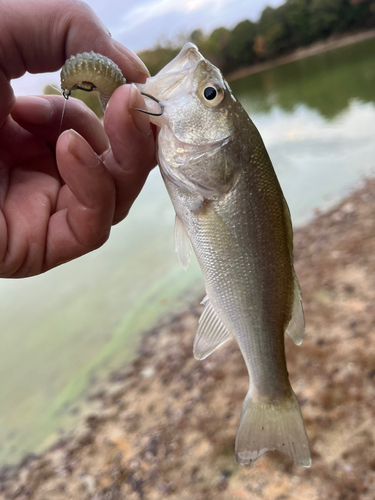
(165, 426)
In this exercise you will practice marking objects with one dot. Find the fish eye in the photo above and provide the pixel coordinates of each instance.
(213, 94)
(209, 93)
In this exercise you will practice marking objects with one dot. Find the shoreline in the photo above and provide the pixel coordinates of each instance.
(332, 43)
(164, 427)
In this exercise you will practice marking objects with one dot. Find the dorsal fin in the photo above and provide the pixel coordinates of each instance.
(211, 332)
(296, 326)
(182, 243)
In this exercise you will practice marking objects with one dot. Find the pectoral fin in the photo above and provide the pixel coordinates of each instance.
(182, 243)
(296, 327)
(211, 332)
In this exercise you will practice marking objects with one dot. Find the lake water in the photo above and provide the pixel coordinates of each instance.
(80, 321)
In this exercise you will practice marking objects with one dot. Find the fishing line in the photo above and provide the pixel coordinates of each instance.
(62, 115)
(65, 96)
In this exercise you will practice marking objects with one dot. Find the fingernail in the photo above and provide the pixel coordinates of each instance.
(134, 59)
(139, 64)
(140, 120)
(79, 148)
(33, 109)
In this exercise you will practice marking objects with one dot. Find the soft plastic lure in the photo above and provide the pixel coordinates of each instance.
(90, 71)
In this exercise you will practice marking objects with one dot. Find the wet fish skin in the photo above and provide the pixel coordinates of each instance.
(230, 206)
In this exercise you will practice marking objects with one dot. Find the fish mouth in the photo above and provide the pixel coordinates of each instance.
(162, 85)
(185, 61)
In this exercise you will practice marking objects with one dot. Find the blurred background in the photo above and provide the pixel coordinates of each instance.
(315, 109)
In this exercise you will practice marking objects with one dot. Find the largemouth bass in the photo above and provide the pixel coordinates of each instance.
(230, 209)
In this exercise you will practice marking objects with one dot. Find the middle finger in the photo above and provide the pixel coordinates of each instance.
(48, 116)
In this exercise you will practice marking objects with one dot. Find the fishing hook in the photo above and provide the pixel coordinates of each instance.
(67, 93)
(148, 112)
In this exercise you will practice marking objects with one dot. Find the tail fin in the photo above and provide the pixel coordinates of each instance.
(267, 426)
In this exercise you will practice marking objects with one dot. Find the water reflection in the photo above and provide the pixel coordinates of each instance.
(326, 83)
(318, 160)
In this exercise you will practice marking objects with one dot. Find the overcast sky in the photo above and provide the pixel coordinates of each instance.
(141, 24)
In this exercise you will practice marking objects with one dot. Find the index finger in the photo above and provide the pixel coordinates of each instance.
(39, 36)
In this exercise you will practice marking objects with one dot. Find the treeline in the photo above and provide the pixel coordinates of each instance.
(351, 77)
(280, 30)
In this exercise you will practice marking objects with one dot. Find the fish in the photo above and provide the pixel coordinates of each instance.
(230, 210)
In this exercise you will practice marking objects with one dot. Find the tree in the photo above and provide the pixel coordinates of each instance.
(354, 14)
(297, 17)
(273, 28)
(215, 47)
(260, 46)
(325, 16)
(197, 37)
(241, 42)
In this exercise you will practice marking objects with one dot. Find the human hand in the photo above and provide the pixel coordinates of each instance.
(60, 194)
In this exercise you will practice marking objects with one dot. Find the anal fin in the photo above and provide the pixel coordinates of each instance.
(211, 332)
